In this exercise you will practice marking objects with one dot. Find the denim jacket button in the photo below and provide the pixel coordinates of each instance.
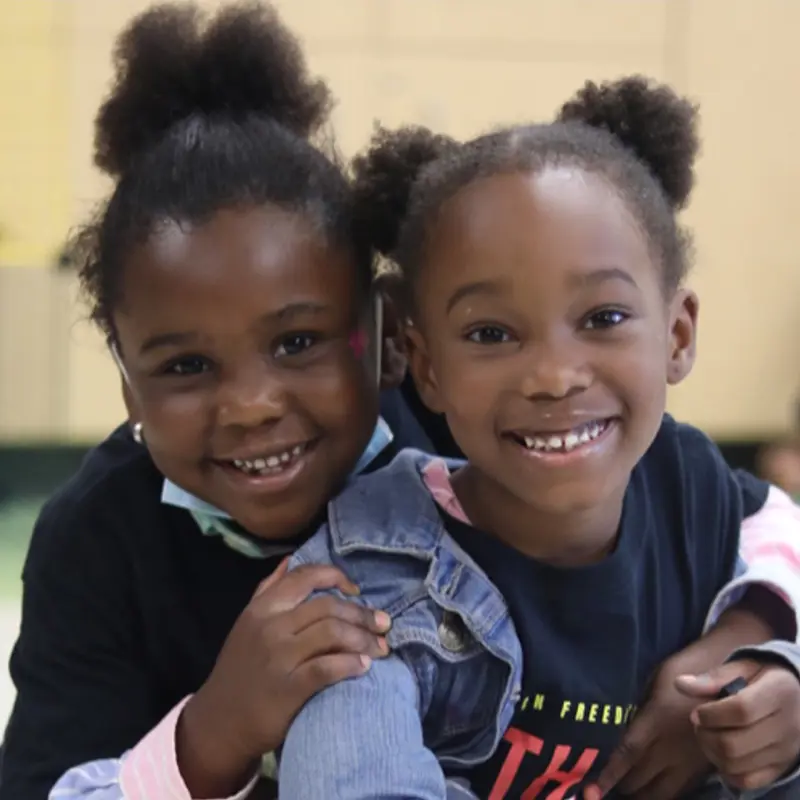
(452, 633)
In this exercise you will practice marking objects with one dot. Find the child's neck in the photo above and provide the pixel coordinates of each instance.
(565, 540)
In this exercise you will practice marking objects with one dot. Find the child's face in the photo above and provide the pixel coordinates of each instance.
(545, 337)
(236, 335)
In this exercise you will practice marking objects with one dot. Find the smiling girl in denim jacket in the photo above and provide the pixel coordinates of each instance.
(536, 587)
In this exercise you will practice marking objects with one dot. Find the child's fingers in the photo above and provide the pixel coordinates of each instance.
(710, 684)
(739, 750)
(329, 669)
(628, 756)
(334, 609)
(279, 572)
(758, 701)
(758, 779)
(335, 636)
(288, 590)
(743, 760)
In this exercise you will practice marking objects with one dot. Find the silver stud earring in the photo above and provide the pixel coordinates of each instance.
(137, 434)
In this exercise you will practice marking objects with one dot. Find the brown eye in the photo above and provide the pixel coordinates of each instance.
(488, 334)
(191, 365)
(607, 318)
(295, 344)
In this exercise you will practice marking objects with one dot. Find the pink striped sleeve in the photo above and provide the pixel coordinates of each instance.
(150, 770)
(770, 547)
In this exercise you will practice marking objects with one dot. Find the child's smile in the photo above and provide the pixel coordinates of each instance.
(561, 445)
(268, 469)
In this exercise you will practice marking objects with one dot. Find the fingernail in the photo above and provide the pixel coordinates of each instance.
(383, 620)
(366, 661)
(353, 590)
(703, 679)
(383, 645)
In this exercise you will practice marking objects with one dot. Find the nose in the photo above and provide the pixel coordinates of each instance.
(252, 395)
(555, 370)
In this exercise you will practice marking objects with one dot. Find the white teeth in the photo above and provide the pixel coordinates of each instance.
(571, 440)
(270, 464)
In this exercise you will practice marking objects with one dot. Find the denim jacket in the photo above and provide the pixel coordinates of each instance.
(446, 693)
(462, 679)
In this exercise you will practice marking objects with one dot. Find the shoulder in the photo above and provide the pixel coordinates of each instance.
(389, 510)
(683, 448)
(695, 502)
(690, 465)
(115, 493)
(382, 531)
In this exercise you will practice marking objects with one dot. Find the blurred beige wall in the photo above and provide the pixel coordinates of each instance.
(460, 66)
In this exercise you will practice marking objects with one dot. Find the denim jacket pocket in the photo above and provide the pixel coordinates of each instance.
(465, 704)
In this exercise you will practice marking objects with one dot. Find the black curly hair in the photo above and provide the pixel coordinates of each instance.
(639, 137)
(205, 114)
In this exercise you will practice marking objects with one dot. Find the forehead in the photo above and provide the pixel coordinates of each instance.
(254, 259)
(561, 215)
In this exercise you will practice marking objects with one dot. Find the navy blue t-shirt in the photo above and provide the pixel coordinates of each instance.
(593, 636)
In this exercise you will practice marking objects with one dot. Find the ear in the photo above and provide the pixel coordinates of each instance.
(682, 335)
(394, 362)
(419, 363)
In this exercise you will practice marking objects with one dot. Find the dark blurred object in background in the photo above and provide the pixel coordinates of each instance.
(779, 463)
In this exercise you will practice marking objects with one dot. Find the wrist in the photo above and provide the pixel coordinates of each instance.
(749, 623)
(770, 615)
(737, 627)
(212, 759)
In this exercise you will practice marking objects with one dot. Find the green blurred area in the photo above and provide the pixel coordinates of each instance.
(18, 513)
(17, 517)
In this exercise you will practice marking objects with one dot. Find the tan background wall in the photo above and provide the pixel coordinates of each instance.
(461, 66)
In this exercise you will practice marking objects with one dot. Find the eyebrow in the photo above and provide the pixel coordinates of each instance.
(296, 309)
(602, 275)
(166, 340)
(469, 289)
(182, 338)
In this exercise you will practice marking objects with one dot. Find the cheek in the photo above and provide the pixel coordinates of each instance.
(467, 389)
(342, 396)
(640, 375)
(176, 426)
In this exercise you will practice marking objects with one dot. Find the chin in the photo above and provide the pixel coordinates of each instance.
(279, 524)
(565, 500)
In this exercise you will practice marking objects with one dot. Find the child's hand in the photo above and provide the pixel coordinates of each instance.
(280, 652)
(752, 737)
(658, 758)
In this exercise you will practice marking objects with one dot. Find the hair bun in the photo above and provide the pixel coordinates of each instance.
(172, 62)
(385, 174)
(651, 120)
